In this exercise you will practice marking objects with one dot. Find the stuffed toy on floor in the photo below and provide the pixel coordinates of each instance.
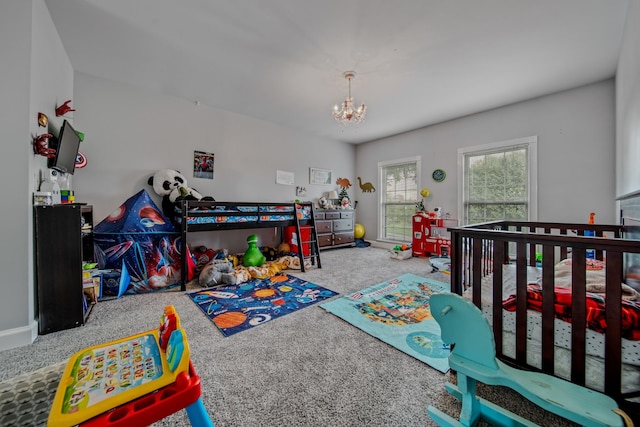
(173, 187)
(217, 272)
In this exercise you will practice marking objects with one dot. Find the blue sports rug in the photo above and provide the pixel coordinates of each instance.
(397, 312)
(235, 308)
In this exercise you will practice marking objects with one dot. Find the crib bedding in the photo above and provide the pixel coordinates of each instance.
(594, 362)
(595, 339)
(596, 319)
(594, 368)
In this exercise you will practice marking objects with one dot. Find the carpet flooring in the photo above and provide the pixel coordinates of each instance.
(308, 368)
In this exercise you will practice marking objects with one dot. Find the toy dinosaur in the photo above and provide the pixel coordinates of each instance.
(367, 187)
(253, 257)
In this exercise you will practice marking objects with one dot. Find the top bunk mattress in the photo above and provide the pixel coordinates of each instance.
(230, 214)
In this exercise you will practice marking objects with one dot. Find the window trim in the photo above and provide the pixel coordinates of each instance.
(532, 166)
(382, 188)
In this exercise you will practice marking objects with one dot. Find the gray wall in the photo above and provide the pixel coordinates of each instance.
(36, 75)
(16, 311)
(130, 134)
(628, 106)
(576, 154)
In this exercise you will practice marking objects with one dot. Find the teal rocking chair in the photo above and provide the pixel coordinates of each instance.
(474, 359)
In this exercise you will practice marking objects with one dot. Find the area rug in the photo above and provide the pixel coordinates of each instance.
(235, 308)
(397, 312)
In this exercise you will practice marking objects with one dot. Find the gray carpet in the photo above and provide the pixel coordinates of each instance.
(308, 368)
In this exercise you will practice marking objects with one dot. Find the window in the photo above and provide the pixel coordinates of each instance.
(398, 183)
(498, 181)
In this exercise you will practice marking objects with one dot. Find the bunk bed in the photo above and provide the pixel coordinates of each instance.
(194, 216)
(533, 282)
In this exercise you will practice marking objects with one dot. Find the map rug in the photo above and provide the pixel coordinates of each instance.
(235, 308)
(397, 312)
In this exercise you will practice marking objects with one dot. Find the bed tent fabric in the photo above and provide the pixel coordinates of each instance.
(140, 245)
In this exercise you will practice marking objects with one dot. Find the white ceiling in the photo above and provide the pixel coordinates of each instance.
(418, 62)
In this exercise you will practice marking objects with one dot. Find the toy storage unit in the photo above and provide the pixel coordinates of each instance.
(293, 240)
(335, 228)
(430, 235)
(63, 240)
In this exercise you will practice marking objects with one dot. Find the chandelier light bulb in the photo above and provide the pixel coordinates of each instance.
(345, 113)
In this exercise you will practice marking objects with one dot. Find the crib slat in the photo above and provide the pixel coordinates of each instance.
(459, 259)
(548, 311)
(497, 296)
(578, 315)
(521, 302)
(563, 249)
(476, 272)
(613, 316)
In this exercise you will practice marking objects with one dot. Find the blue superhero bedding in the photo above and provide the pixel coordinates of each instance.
(231, 214)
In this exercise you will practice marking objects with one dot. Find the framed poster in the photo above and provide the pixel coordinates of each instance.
(320, 176)
(203, 164)
(284, 178)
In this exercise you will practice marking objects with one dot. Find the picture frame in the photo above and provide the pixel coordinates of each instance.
(284, 178)
(203, 164)
(320, 176)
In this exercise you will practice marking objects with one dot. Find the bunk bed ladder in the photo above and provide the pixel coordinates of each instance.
(314, 251)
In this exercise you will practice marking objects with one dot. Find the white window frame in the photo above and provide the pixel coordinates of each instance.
(532, 165)
(382, 189)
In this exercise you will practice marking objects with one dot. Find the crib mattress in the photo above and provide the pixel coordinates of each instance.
(562, 338)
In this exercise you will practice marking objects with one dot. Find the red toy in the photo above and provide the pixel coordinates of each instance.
(41, 146)
(64, 109)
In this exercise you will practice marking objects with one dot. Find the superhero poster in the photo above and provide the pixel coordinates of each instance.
(203, 164)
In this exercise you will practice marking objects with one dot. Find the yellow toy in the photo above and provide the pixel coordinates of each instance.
(116, 374)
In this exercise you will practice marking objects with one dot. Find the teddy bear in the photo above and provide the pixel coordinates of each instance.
(173, 187)
(217, 272)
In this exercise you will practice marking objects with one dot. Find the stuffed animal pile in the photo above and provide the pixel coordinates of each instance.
(173, 187)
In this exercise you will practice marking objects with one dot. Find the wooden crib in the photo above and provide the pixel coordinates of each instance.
(483, 254)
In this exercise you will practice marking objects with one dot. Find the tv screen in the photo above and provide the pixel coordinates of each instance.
(66, 145)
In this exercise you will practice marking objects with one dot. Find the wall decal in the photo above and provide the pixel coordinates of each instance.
(367, 187)
(64, 109)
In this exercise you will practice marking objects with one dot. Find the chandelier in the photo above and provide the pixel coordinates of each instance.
(345, 113)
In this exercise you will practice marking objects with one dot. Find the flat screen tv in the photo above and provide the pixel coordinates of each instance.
(66, 144)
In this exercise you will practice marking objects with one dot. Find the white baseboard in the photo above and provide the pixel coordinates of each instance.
(18, 337)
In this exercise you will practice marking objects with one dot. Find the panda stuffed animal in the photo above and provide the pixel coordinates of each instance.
(173, 187)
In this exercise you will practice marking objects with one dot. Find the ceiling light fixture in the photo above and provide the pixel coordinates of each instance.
(345, 113)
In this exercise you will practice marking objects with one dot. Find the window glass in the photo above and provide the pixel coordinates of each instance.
(398, 197)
